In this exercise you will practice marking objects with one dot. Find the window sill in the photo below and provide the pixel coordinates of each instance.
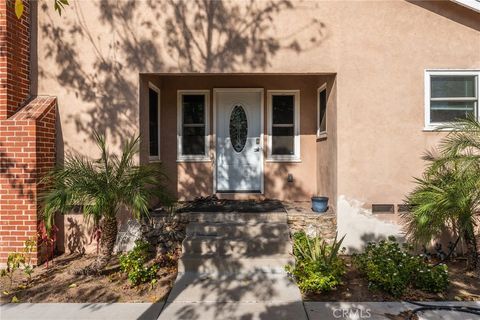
(322, 136)
(202, 159)
(154, 160)
(292, 160)
(433, 129)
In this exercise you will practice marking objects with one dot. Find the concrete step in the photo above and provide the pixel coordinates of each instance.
(256, 287)
(240, 247)
(234, 311)
(239, 217)
(226, 265)
(237, 230)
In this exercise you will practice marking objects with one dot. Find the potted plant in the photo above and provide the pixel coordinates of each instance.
(319, 204)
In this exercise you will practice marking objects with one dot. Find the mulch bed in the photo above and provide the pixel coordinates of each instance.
(59, 283)
(463, 286)
(213, 204)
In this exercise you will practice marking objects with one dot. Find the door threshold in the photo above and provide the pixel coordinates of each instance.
(239, 191)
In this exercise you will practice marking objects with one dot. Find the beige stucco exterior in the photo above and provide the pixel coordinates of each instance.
(97, 59)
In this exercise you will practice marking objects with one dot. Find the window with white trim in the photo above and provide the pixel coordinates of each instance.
(322, 111)
(283, 125)
(154, 122)
(450, 96)
(192, 126)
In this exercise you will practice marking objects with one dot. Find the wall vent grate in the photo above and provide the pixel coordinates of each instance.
(383, 208)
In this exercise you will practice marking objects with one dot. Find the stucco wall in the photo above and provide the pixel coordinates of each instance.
(91, 57)
(327, 149)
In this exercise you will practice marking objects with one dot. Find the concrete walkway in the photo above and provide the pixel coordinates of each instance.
(80, 311)
(233, 268)
(384, 311)
(235, 310)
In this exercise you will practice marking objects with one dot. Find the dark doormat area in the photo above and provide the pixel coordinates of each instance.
(213, 204)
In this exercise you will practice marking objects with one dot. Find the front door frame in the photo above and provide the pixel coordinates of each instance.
(214, 133)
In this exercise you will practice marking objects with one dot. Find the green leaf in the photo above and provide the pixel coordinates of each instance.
(73, 285)
(19, 8)
(15, 299)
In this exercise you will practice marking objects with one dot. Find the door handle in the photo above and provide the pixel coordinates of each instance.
(257, 149)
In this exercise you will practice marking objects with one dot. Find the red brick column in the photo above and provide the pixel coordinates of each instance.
(27, 152)
(14, 58)
(27, 135)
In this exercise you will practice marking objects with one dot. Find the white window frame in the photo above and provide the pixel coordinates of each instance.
(193, 158)
(446, 72)
(157, 90)
(296, 141)
(322, 134)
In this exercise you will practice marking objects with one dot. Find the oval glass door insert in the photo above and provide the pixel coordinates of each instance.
(238, 128)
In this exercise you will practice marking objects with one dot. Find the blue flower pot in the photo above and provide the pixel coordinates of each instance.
(319, 204)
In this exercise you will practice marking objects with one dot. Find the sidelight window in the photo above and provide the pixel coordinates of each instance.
(192, 131)
(284, 125)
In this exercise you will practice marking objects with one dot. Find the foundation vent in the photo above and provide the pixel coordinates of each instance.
(383, 208)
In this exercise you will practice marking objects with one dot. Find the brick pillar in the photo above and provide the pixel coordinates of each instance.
(27, 135)
(14, 58)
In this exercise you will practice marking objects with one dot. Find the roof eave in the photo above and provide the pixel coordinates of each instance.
(470, 4)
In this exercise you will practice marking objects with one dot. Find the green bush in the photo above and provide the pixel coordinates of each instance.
(133, 264)
(431, 279)
(318, 267)
(393, 269)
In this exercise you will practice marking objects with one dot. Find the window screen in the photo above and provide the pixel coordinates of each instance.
(193, 125)
(153, 122)
(322, 111)
(452, 97)
(283, 124)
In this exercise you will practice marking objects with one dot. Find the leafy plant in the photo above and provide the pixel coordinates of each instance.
(103, 187)
(315, 249)
(20, 260)
(133, 264)
(59, 5)
(318, 266)
(393, 269)
(29, 248)
(14, 261)
(447, 196)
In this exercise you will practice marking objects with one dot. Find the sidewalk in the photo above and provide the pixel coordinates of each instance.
(80, 311)
(149, 311)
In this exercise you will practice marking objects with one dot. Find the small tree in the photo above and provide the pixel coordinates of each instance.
(448, 194)
(103, 187)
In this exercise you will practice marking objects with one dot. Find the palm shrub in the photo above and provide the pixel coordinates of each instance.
(103, 186)
(447, 196)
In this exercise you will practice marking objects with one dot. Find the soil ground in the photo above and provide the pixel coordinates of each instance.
(464, 286)
(59, 283)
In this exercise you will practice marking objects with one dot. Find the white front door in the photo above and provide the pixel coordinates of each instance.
(239, 140)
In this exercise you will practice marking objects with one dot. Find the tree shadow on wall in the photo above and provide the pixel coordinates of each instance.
(94, 58)
(216, 36)
(17, 174)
